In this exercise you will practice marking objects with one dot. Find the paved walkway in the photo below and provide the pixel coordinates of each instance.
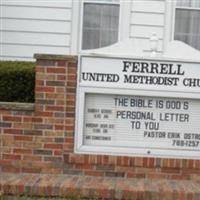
(93, 187)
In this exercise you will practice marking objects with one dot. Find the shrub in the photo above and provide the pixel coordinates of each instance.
(17, 81)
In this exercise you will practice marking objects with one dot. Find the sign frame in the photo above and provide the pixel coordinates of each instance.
(83, 89)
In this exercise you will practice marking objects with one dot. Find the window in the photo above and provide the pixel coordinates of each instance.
(187, 22)
(100, 23)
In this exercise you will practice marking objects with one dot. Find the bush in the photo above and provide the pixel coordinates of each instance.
(17, 81)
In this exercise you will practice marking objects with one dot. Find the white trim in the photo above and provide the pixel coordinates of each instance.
(102, 1)
(124, 19)
(173, 19)
(79, 119)
(79, 112)
(80, 27)
(188, 8)
(75, 28)
(169, 23)
(129, 51)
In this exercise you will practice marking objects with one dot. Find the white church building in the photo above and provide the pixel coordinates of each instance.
(72, 26)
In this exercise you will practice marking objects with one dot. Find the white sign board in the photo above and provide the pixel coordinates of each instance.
(130, 107)
(140, 74)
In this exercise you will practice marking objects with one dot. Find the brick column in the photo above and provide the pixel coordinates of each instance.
(34, 137)
(55, 95)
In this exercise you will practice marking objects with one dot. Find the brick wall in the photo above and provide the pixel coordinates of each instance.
(39, 138)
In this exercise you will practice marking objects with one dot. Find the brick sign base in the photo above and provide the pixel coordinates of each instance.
(39, 138)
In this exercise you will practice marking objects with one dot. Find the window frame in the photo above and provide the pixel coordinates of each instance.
(123, 29)
(174, 7)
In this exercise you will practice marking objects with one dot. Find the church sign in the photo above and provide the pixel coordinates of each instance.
(138, 107)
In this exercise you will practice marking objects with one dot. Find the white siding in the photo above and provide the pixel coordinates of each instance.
(147, 17)
(35, 38)
(154, 6)
(24, 51)
(39, 26)
(146, 31)
(39, 3)
(46, 26)
(35, 13)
